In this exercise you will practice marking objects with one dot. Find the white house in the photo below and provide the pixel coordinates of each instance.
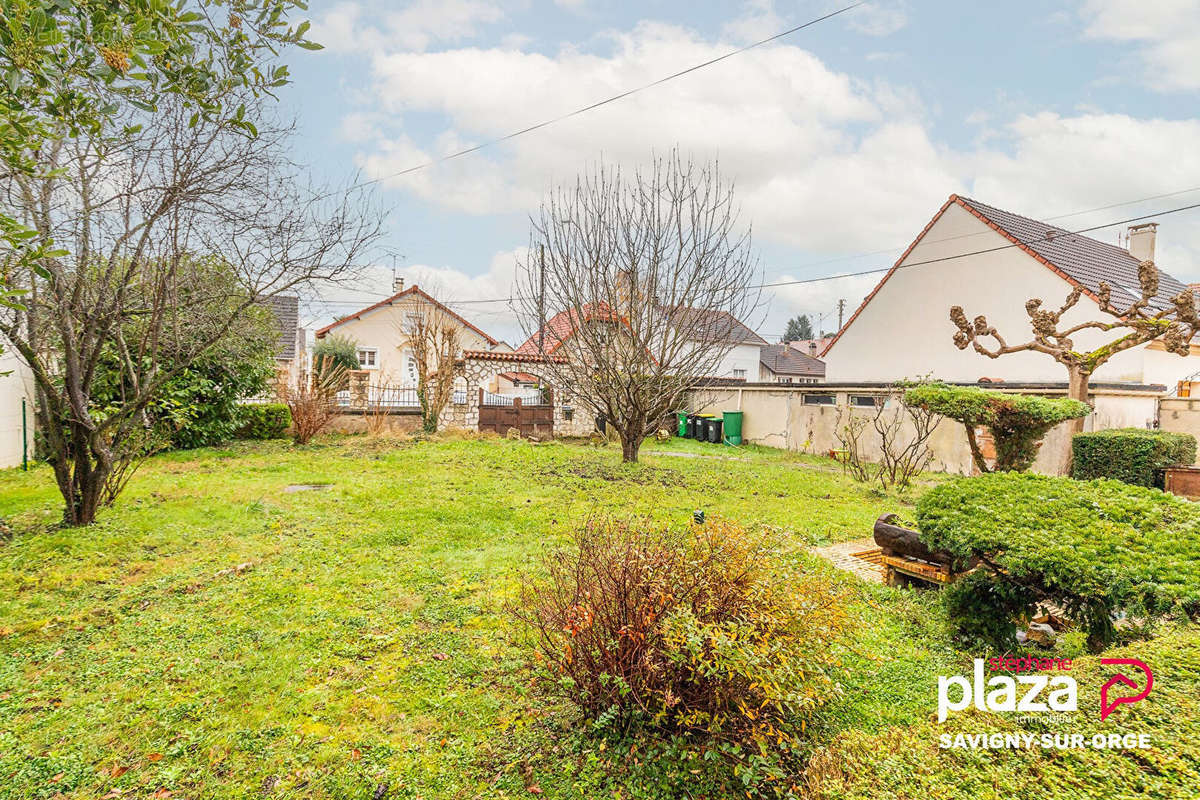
(16, 408)
(991, 262)
(382, 331)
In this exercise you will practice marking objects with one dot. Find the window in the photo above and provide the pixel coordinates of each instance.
(410, 369)
(739, 373)
(368, 358)
(785, 380)
(819, 399)
(866, 400)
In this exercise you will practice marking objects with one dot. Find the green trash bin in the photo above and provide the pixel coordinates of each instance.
(733, 428)
(681, 417)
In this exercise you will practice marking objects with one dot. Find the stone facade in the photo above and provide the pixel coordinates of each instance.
(481, 370)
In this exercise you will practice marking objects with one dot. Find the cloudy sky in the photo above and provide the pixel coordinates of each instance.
(842, 139)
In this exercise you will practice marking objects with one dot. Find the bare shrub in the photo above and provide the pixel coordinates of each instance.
(701, 632)
(312, 400)
(376, 414)
(902, 454)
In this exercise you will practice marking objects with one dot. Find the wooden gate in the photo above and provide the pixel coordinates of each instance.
(532, 417)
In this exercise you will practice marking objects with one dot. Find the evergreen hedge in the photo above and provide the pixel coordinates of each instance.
(263, 421)
(1017, 422)
(1096, 549)
(1131, 455)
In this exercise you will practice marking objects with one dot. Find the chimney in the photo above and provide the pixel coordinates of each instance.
(812, 347)
(1141, 241)
(397, 285)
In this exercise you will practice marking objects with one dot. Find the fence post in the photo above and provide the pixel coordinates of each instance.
(481, 395)
(517, 404)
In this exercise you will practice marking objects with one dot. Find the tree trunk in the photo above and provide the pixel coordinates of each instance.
(630, 445)
(81, 475)
(1077, 389)
(976, 452)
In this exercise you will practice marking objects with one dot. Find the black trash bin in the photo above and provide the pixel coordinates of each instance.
(714, 430)
(700, 428)
(690, 429)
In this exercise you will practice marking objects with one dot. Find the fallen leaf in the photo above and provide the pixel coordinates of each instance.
(355, 754)
(154, 757)
(117, 771)
(161, 794)
(440, 656)
(535, 789)
(58, 777)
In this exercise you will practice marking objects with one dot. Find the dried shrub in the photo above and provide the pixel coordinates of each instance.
(702, 632)
(902, 436)
(312, 400)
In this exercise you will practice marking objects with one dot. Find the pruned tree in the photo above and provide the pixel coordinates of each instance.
(312, 399)
(650, 273)
(143, 225)
(433, 336)
(1145, 319)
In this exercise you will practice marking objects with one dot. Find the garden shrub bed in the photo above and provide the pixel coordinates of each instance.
(1094, 548)
(1131, 455)
(263, 421)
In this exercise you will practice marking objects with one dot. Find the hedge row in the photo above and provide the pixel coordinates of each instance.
(263, 421)
(1098, 549)
(1131, 455)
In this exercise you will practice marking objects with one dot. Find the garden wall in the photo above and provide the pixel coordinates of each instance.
(807, 419)
(1180, 415)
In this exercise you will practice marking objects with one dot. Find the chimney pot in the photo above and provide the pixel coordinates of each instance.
(1141, 240)
(397, 285)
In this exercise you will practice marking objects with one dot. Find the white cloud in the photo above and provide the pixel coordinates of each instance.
(352, 27)
(879, 18)
(1167, 33)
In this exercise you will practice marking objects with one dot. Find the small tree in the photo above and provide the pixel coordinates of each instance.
(434, 338)
(1145, 319)
(798, 328)
(650, 274)
(1017, 423)
(336, 351)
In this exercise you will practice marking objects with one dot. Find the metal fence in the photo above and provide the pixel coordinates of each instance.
(390, 398)
(526, 398)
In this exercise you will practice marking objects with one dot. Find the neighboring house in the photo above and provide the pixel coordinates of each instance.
(290, 351)
(779, 363)
(381, 332)
(740, 362)
(17, 407)
(991, 262)
(811, 347)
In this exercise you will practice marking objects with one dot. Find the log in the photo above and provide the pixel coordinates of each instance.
(897, 541)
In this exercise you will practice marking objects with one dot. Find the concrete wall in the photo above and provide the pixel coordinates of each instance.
(905, 330)
(16, 385)
(1180, 415)
(780, 417)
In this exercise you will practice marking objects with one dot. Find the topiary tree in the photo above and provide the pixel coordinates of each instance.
(1016, 422)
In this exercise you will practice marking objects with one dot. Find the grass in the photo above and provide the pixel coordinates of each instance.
(215, 636)
(362, 644)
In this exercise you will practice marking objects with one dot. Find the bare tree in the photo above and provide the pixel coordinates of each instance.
(141, 224)
(902, 453)
(1147, 318)
(434, 337)
(649, 273)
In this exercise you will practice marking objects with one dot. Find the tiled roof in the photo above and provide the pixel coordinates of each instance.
(781, 359)
(1083, 260)
(1080, 260)
(560, 327)
(716, 326)
(415, 292)
(286, 309)
(496, 355)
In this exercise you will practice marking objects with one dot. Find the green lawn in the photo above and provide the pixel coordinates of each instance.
(318, 670)
(363, 650)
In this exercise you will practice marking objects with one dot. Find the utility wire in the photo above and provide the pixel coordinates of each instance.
(546, 123)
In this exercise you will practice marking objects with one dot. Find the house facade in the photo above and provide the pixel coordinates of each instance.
(991, 262)
(382, 333)
(780, 363)
(17, 408)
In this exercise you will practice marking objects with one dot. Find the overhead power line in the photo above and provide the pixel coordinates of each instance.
(593, 106)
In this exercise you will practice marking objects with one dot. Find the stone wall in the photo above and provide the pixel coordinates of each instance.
(480, 370)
